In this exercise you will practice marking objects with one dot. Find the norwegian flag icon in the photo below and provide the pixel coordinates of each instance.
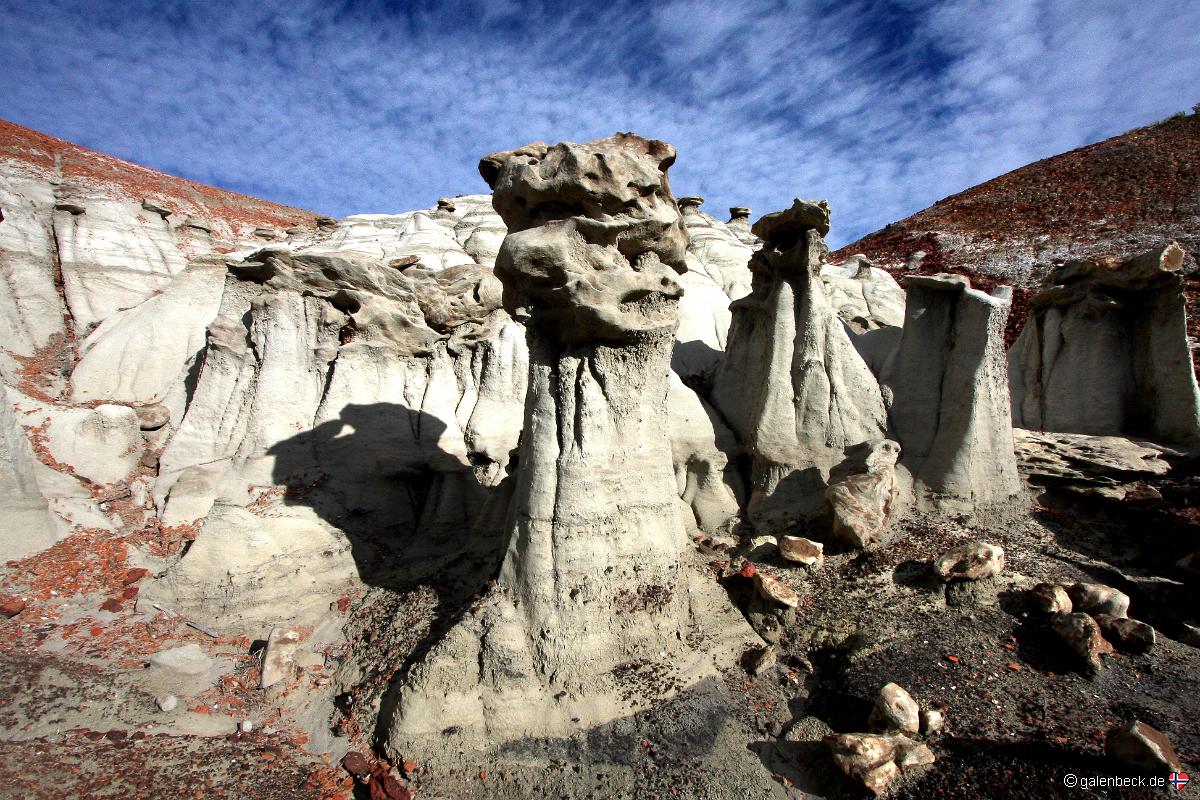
(1178, 780)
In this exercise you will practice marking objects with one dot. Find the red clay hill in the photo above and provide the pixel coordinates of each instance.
(45, 155)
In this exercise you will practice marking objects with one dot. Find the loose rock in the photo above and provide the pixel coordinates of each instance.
(167, 703)
(1050, 598)
(1096, 598)
(1082, 634)
(799, 550)
(911, 754)
(356, 764)
(1139, 746)
(895, 709)
(12, 606)
(866, 758)
(278, 660)
(1127, 635)
(932, 720)
(776, 590)
(970, 561)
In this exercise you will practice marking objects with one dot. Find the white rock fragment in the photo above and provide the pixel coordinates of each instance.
(932, 720)
(188, 660)
(895, 709)
(279, 657)
(971, 561)
(776, 590)
(799, 550)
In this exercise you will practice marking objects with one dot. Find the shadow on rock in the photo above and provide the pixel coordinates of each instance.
(417, 514)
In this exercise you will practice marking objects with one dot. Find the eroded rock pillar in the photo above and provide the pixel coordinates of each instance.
(592, 580)
(792, 385)
(947, 390)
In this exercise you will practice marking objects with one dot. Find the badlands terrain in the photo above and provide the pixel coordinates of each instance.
(580, 489)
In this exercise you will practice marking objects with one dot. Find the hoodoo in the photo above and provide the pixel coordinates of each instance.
(592, 577)
(948, 394)
(792, 385)
(1106, 352)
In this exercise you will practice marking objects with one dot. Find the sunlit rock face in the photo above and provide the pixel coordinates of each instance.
(590, 263)
(947, 393)
(1105, 352)
(595, 238)
(792, 385)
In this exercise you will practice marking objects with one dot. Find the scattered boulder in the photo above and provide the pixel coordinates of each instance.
(1096, 598)
(167, 702)
(866, 758)
(895, 709)
(1125, 634)
(874, 760)
(776, 590)
(970, 562)
(1138, 746)
(864, 501)
(1050, 598)
(279, 657)
(187, 660)
(799, 550)
(1082, 635)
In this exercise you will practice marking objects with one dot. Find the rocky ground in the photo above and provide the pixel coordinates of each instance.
(1020, 712)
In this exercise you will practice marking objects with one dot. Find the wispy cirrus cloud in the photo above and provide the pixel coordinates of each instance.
(881, 106)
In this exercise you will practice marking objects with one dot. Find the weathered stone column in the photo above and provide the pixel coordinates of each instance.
(592, 581)
(947, 391)
(792, 385)
(1105, 351)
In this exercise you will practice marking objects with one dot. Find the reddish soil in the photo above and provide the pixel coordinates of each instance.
(1097, 200)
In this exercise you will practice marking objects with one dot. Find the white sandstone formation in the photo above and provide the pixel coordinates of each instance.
(864, 295)
(592, 578)
(25, 522)
(32, 311)
(947, 392)
(246, 568)
(792, 386)
(1105, 352)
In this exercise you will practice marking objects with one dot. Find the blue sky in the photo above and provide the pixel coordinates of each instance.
(880, 106)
